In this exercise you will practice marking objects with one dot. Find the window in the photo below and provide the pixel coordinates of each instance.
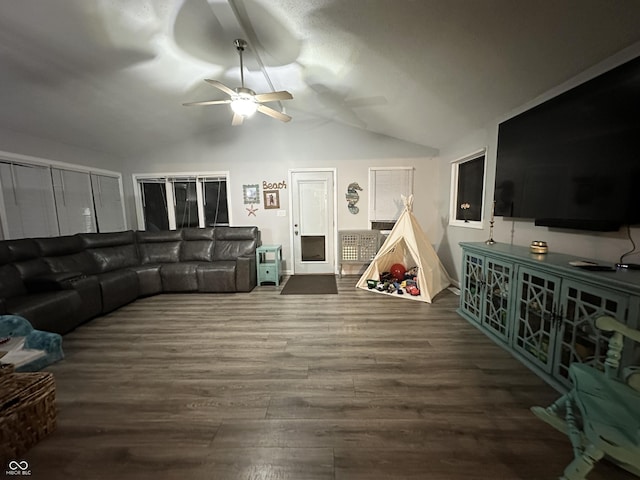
(169, 202)
(107, 200)
(45, 198)
(28, 201)
(386, 187)
(155, 212)
(74, 201)
(467, 190)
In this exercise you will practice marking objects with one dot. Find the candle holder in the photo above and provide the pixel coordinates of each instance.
(491, 241)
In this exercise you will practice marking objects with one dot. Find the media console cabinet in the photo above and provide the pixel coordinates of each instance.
(543, 310)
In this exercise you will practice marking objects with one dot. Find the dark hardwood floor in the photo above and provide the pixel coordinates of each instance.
(264, 386)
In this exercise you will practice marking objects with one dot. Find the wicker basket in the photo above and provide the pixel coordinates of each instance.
(27, 413)
(7, 377)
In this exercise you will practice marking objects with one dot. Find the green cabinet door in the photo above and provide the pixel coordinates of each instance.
(497, 291)
(472, 286)
(578, 338)
(536, 317)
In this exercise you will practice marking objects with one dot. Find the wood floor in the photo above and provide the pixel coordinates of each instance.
(264, 386)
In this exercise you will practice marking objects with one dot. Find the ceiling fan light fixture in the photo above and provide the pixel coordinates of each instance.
(244, 105)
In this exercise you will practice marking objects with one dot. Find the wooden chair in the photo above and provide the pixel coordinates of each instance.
(601, 413)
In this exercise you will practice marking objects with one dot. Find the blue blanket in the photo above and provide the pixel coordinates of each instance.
(51, 343)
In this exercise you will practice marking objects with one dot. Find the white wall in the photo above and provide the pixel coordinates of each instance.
(16, 142)
(606, 247)
(265, 150)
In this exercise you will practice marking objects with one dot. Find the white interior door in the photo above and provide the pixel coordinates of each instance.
(312, 221)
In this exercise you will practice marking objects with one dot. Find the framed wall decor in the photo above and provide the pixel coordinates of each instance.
(271, 199)
(251, 194)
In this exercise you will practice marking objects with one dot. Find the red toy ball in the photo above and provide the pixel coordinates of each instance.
(397, 270)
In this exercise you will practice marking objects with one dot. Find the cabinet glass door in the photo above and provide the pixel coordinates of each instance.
(535, 311)
(471, 295)
(496, 297)
(578, 338)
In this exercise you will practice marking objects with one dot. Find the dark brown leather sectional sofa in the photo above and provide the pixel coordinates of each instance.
(60, 282)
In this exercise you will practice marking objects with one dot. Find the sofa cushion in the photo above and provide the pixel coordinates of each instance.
(22, 249)
(76, 262)
(217, 276)
(108, 259)
(233, 242)
(118, 288)
(179, 277)
(51, 281)
(49, 311)
(164, 252)
(32, 268)
(149, 279)
(97, 240)
(5, 255)
(196, 251)
(206, 233)
(158, 237)
(55, 246)
(11, 284)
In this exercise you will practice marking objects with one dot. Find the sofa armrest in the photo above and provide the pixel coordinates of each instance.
(52, 281)
(246, 275)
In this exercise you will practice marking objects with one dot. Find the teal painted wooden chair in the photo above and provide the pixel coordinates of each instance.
(601, 413)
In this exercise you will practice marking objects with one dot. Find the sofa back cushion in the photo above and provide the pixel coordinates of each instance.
(64, 254)
(107, 259)
(159, 247)
(55, 246)
(110, 251)
(206, 233)
(76, 262)
(166, 252)
(11, 284)
(196, 251)
(97, 240)
(234, 242)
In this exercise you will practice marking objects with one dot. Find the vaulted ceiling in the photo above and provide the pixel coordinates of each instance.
(111, 75)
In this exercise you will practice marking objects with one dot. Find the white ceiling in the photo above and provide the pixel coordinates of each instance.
(111, 75)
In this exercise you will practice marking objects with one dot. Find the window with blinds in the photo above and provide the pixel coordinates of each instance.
(386, 188)
(44, 200)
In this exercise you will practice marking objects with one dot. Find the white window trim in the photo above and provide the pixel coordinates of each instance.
(453, 203)
(168, 178)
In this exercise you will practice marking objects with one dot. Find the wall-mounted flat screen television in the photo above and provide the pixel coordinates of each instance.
(574, 160)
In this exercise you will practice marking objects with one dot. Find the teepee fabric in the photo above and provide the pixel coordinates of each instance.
(408, 245)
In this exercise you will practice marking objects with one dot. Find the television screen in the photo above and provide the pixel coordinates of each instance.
(574, 160)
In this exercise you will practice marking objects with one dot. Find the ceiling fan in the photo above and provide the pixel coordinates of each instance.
(244, 101)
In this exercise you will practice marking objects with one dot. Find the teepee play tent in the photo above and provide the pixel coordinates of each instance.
(408, 245)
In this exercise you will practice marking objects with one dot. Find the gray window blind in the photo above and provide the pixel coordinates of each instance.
(386, 187)
(29, 203)
(74, 201)
(107, 201)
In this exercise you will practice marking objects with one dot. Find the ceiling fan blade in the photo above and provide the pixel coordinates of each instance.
(273, 96)
(237, 120)
(274, 113)
(207, 102)
(220, 86)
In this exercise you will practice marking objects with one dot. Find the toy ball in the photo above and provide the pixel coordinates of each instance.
(398, 271)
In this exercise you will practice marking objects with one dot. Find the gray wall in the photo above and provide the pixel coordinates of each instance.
(606, 247)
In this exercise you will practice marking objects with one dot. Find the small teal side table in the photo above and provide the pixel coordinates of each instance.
(268, 261)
